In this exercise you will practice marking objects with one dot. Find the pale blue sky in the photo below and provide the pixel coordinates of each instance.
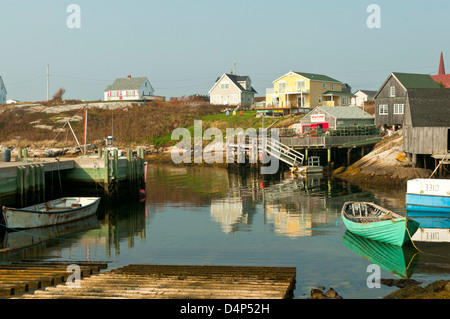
(182, 46)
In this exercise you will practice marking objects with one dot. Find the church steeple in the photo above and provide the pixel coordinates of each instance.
(441, 65)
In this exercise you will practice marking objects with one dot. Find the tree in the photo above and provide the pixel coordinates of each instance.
(57, 97)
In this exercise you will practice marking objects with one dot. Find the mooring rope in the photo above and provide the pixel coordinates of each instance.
(410, 238)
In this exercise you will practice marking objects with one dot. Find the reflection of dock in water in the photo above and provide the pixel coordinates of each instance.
(293, 206)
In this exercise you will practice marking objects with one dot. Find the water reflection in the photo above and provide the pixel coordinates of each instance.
(199, 215)
(400, 261)
(13, 240)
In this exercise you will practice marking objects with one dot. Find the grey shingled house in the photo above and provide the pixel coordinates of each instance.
(391, 97)
(426, 128)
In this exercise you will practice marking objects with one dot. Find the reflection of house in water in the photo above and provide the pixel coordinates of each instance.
(289, 223)
(291, 210)
(290, 206)
(234, 214)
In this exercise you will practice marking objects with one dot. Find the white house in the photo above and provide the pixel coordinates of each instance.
(232, 89)
(130, 89)
(362, 96)
(2, 92)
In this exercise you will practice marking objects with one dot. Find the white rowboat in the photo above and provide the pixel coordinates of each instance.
(53, 212)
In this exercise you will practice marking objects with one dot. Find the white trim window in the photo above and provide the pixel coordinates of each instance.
(282, 86)
(344, 100)
(320, 99)
(301, 85)
(383, 109)
(392, 91)
(399, 108)
(225, 85)
(324, 85)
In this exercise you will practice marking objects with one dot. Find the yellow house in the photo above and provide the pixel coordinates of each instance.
(296, 91)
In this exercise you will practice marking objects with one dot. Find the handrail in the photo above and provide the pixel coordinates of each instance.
(279, 149)
(274, 148)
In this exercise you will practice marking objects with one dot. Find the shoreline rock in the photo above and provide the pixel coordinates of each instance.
(385, 165)
(439, 289)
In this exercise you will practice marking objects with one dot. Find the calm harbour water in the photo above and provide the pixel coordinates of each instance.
(212, 216)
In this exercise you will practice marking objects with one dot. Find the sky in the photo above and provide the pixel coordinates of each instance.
(183, 46)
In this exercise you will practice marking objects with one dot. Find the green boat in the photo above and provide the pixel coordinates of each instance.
(375, 222)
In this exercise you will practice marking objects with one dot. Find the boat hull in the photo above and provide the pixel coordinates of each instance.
(396, 232)
(437, 205)
(429, 196)
(28, 218)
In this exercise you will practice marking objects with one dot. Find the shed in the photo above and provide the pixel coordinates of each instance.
(426, 128)
(330, 118)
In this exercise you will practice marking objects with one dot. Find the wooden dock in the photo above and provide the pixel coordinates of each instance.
(178, 282)
(24, 181)
(19, 278)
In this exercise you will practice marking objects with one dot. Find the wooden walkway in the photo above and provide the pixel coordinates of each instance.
(19, 278)
(178, 282)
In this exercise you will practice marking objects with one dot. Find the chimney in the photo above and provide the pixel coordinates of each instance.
(129, 76)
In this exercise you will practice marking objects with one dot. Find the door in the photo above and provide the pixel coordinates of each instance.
(448, 140)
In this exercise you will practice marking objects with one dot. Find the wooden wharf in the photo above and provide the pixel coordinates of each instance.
(294, 151)
(178, 282)
(22, 277)
(24, 181)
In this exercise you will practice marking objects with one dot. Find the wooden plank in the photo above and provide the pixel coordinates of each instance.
(194, 282)
(17, 278)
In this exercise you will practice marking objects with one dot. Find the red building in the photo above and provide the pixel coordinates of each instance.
(442, 77)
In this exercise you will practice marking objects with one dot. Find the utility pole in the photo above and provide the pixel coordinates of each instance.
(48, 76)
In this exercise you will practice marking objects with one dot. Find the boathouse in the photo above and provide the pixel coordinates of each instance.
(426, 129)
(391, 97)
(330, 118)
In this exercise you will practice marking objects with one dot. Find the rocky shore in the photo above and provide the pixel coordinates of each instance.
(385, 165)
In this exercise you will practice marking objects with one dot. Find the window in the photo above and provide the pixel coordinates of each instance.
(399, 108)
(320, 99)
(324, 85)
(225, 85)
(344, 100)
(301, 85)
(392, 91)
(281, 87)
(332, 86)
(383, 109)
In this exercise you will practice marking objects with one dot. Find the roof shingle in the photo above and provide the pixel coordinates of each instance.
(429, 107)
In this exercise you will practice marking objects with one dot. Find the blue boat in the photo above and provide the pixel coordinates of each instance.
(429, 221)
(428, 197)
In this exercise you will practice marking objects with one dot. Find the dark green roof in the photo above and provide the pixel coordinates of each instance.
(317, 77)
(416, 81)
